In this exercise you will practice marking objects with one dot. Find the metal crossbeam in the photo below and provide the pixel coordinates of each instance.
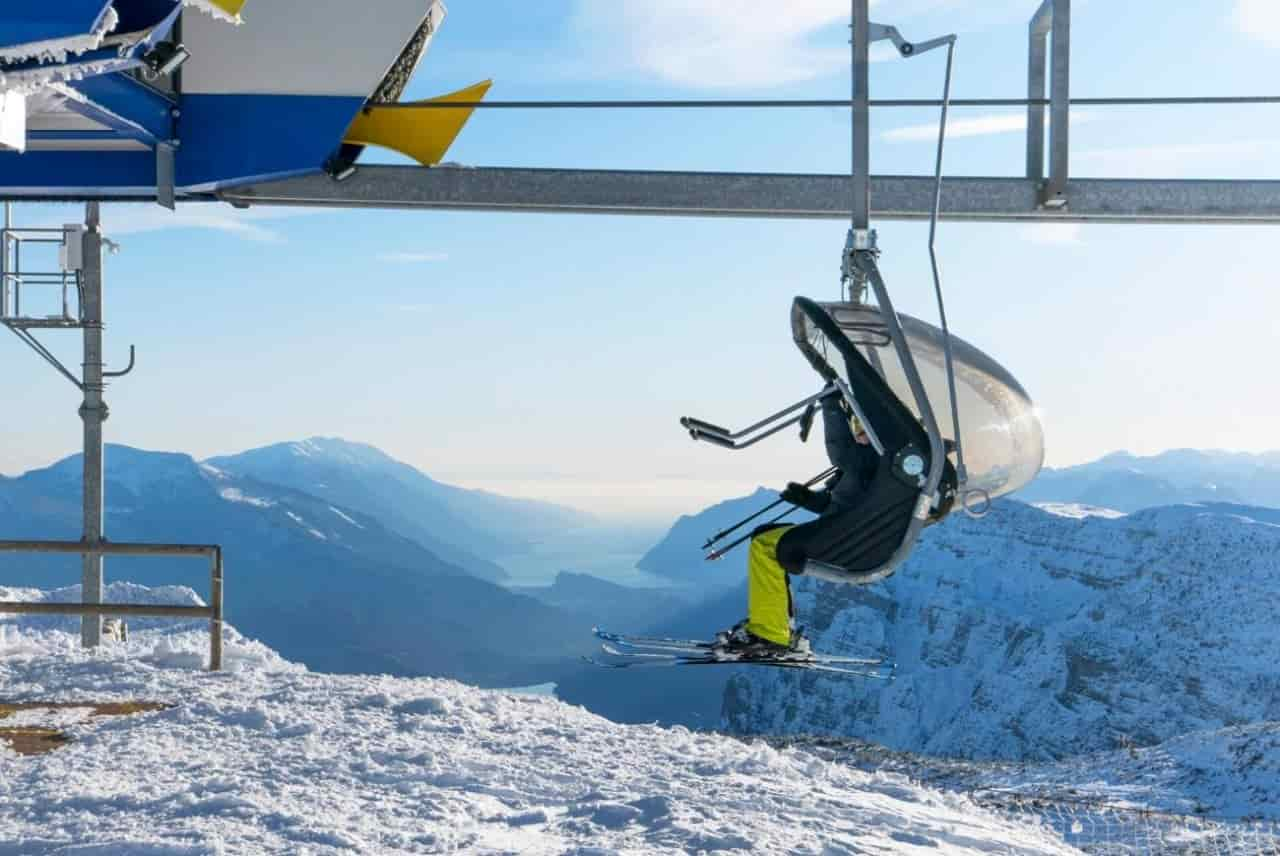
(700, 194)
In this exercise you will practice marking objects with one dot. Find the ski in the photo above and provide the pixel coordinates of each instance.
(646, 644)
(651, 641)
(796, 659)
(632, 661)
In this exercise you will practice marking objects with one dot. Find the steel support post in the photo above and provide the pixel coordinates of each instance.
(861, 115)
(1059, 106)
(1053, 17)
(93, 412)
(215, 622)
(4, 259)
(1037, 62)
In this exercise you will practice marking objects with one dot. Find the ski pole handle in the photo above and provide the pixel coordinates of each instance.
(827, 473)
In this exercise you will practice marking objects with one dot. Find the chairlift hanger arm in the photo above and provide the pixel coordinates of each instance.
(881, 32)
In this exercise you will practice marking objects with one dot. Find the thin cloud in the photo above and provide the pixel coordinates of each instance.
(711, 43)
(1174, 160)
(1051, 234)
(413, 258)
(1258, 19)
(978, 126)
(247, 224)
(750, 43)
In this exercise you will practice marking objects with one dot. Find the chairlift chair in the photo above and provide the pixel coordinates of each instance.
(897, 394)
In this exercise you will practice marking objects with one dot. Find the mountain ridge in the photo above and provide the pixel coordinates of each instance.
(326, 583)
(1128, 482)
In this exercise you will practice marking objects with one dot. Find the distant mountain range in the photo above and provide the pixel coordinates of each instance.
(322, 581)
(600, 602)
(468, 528)
(1126, 482)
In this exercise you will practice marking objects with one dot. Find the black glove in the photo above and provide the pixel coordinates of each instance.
(798, 494)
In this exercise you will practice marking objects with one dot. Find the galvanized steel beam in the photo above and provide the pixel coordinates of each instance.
(93, 412)
(701, 194)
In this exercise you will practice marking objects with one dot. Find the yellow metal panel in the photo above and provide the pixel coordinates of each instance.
(422, 133)
(231, 7)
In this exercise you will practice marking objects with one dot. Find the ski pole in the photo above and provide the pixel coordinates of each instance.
(827, 473)
(719, 554)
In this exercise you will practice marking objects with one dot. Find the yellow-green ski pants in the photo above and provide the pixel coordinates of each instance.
(768, 597)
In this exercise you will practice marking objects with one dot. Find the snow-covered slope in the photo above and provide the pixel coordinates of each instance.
(269, 758)
(1032, 635)
(1227, 773)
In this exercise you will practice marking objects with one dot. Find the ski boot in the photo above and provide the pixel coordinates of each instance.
(739, 643)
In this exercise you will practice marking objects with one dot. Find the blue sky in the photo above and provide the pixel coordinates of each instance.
(551, 355)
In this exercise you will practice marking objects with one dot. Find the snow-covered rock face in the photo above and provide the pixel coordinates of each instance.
(268, 758)
(1030, 635)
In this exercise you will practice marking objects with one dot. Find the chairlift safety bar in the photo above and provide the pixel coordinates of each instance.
(725, 438)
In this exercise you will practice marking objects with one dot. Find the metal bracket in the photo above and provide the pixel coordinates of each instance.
(45, 354)
(166, 192)
(880, 32)
(126, 369)
(852, 275)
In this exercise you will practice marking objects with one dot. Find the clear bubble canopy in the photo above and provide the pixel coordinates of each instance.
(1000, 432)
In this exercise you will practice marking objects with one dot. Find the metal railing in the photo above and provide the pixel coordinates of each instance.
(15, 273)
(106, 548)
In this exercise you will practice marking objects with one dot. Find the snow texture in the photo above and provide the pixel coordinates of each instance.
(267, 757)
(57, 50)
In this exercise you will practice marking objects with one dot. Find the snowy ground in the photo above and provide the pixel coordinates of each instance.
(268, 758)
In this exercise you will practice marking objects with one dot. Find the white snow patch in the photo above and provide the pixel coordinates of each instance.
(311, 530)
(214, 471)
(345, 517)
(267, 757)
(234, 494)
(1078, 511)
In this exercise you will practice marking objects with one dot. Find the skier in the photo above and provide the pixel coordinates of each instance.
(767, 627)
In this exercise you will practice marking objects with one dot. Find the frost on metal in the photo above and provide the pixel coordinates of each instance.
(57, 50)
(209, 8)
(33, 80)
(13, 121)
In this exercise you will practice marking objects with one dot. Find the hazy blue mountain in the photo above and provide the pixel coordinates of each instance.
(599, 602)
(326, 584)
(1126, 482)
(455, 523)
(679, 555)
